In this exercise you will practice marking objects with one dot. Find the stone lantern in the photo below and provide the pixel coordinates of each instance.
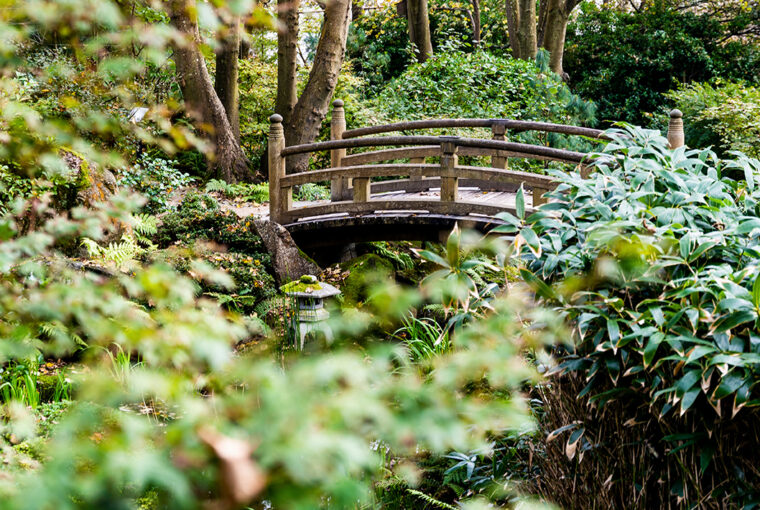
(310, 295)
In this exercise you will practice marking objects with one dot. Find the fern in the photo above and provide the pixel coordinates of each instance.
(118, 253)
(145, 224)
(431, 500)
(58, 331)
(256, 192)
(220, 186)
(400, 260)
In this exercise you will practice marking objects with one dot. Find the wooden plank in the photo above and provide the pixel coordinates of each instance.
(380, 156)
(372, 207)
(427, 170)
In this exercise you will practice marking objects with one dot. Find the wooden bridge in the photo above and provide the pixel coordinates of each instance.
(422, 200)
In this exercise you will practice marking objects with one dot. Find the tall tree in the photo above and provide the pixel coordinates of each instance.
(287, 58)
(303, 119)
(527, 32)
(226, 78)
(419, 28)
(201, 100)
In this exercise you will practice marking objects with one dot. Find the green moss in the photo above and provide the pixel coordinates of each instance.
(363, 271)
(298, 286)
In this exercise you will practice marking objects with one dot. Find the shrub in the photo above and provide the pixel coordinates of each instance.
(378, 43)
(724, 115)
(154, 178)
(199, 217)
(654, 260)
(626, 61)
(462, 85)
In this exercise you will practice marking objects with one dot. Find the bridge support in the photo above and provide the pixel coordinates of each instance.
(499, 132)
(280, 199)
(338, 186)
(449, 180)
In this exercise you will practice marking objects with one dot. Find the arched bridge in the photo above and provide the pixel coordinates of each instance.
(409, 187)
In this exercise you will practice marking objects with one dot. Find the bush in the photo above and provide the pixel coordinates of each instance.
(378, 42)
(199, 217)
(723, 115)
(627, 61)
(654, 260)
(155, 179)
(462, 85)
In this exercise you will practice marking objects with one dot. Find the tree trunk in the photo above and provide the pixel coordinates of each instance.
(226, 80)
(419, 28)
(245, 46)
(555, 29)
(202, 103)
(526, 29)
(287, 55)
(476, 23)
(311, 108)
(521, 23)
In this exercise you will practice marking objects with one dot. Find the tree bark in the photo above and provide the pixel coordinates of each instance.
(419, 28)
(202, 103)
(287, 55)
(311, 108)
(527, 34)
(476, 23)
(554, 30)
(521, 23)
(226, 79)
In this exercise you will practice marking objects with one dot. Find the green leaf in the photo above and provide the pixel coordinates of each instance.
(520, 203)
(613, 330)
(734, 319)
(531, 238)
(651, 347)
(539, 287)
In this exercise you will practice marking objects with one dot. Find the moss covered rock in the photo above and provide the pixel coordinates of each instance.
(363, 271)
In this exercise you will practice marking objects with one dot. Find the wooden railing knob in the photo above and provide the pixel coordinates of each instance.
(675, 129)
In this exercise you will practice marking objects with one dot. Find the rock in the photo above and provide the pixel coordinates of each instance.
(363, 271)
(289, 262)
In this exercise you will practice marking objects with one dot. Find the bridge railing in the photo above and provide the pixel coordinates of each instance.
(351, 175)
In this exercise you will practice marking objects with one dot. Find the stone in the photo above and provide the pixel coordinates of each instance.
(288, 261)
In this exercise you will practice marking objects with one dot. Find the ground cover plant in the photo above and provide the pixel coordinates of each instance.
(653, 259)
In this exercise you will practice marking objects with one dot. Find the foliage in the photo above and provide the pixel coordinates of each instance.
(132, 422)
(464, 85)
(199, 217)
(154, 178)
(310, 192)
(247, 192)
(378, 43)
(424, 338)
(482, 85)
(257, 82)
(724, 115)
(654, 260)
(626, 61)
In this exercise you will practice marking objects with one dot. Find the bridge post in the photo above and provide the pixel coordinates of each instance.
(338, 186)
(279, 200)
(675, 130)
(449, 180)
(499, 130)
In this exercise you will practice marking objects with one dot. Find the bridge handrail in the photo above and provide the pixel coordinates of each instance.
(510, 124)
(447, 173)
(538, 150)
